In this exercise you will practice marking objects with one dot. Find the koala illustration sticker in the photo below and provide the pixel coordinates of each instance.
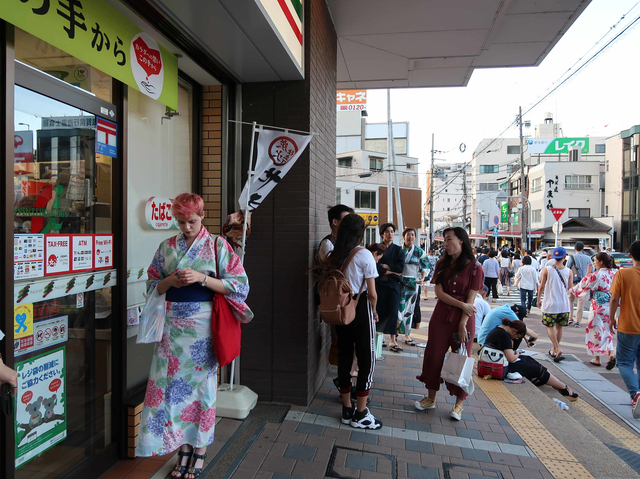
(146, 65)
(41, 413)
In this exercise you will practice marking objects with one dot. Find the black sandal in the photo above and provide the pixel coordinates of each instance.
(195, 472)
(178, 467)
(611, 364)
(571, 396)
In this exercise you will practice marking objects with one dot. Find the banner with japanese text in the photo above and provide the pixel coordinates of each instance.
(277, 152)
(97, 34)
(41, 400)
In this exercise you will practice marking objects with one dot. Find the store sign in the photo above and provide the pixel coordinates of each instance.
(556, 145)
(59, 287)
(46, 333)
(370, 219)
(97, 34)
(41, 412)
(106, 137)
(58, 254)
(67, 122)
(23, 146)
(28, 256)
(504, 213)
(158, 214)
(351, 100)
(103, 251)
(286, 18)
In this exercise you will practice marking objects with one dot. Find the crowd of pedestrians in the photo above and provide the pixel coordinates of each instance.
(463, 279)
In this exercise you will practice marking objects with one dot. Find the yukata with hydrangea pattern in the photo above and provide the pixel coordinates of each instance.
(599, 339)
(180, 402)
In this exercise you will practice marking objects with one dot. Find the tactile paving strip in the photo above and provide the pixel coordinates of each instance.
(555, 457)
(616, 430)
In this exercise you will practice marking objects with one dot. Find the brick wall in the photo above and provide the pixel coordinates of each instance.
(212, 157)
(285, 346)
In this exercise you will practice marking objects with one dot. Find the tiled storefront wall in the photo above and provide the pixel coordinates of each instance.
(285, 347)
(212, 156)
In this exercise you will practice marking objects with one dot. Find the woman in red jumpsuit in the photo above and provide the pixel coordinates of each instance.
(458, 277)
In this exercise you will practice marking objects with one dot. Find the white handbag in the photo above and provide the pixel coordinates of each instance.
(499, 288)
(458, 370)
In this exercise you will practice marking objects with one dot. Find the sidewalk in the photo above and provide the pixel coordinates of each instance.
(507, 431)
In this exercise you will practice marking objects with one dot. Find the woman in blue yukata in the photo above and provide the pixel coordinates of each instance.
(180, 402)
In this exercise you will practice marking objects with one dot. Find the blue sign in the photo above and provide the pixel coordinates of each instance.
(496, 220)
(495, 232)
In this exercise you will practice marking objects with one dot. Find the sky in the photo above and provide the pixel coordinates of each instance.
(600, 100)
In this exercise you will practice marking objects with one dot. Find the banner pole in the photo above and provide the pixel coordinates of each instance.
(250, 177)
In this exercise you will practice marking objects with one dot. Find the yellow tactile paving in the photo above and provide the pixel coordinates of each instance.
(628, 438)
(555, 457)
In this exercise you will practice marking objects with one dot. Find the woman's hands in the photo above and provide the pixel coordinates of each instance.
(468, 309)
(462, 332)
(189, 276)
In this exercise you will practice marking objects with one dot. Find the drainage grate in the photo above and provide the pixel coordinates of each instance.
(472, 472)
(345, 459)
(630, 457)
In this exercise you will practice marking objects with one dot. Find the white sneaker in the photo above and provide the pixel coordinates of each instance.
(636, 407)
(365, 420)
(513, 376)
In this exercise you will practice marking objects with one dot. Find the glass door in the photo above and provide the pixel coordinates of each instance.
(63, 276)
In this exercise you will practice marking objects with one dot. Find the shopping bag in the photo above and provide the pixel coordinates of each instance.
(152, 318)
(379, 340)
(499, 288)
(458, 370)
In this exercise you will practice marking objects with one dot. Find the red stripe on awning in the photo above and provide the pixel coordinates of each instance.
(292, 22)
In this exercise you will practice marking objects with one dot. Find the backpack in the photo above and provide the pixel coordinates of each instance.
(337, 305)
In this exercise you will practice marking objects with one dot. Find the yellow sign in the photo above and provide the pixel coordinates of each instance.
(23, 320)
(370, 219)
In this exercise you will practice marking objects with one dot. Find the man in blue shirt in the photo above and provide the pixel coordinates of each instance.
(495, 317)
(580, 265)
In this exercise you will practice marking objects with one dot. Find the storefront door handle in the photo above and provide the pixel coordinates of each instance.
(6, 399)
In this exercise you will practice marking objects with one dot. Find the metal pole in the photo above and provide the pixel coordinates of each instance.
(395, 175)
(524, 218)
(431, 192)
(389, 179)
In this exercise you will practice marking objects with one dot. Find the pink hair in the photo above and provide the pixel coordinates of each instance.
(186, 204)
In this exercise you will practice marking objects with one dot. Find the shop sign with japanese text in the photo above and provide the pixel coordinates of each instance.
(158, 214)
(97, 34)
(351, 100)
(537, 146)
(41, 413)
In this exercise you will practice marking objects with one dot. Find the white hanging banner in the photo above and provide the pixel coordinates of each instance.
(277, 152)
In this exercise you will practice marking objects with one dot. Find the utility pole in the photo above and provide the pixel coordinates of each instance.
(389, 178)
(431, 192)
(524, 217)
(464, 197)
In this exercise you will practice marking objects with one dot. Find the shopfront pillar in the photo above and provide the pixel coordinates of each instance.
(285, 347)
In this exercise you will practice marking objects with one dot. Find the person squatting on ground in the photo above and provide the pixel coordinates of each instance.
(527, 280)
(580, 266)
(458, 278)
(598, 337)
(390, 269)
(415, 266)
(555, 281)
(625, 292)
(491, 269)
(507, 338)
(360, 333)
(180, 402)
(495, 316)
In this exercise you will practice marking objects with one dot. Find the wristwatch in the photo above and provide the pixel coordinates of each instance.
(204, 283)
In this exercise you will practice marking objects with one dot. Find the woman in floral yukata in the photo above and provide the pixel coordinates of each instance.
(180, 403)
(415, 269)
(599, 339)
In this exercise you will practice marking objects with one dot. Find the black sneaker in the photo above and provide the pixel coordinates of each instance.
(364, 420)
(347, 414)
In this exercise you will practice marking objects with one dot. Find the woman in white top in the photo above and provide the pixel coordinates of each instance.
(361, 272)
(527, 276)
(516, 262)
(505, 268)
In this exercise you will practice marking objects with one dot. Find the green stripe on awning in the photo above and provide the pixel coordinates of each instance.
(297, 5)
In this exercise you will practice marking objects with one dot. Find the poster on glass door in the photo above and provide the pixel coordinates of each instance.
(41, 412)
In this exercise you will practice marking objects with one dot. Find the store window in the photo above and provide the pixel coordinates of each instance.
(62, 224)
(45, 57)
